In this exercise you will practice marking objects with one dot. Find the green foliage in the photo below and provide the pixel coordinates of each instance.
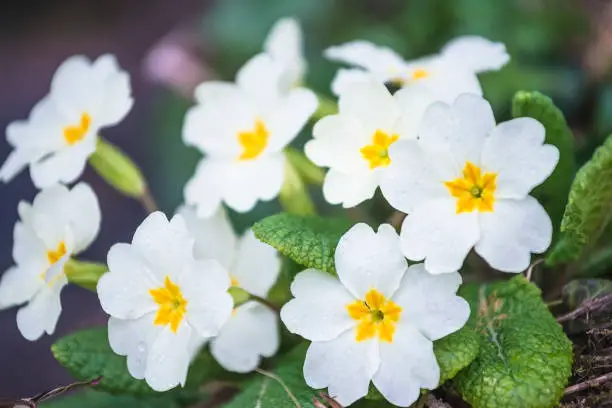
(294, 197)
(579, 291)
(282, 388)
(117, 169)
(553, 193)
(589, 207)
(597, 264)
(308, 171)
(455, 352)
(95, 399)
(309, 241)
(84, 274)
(525, 358)
(87, 355)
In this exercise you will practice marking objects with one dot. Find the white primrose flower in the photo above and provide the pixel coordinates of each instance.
(252, 332)
(285, 44)
(449, 73)
(465, 183)
(354, 143)
(242, 129)
(59, 223)
(162, 302)
(62, 129)
(377, 322)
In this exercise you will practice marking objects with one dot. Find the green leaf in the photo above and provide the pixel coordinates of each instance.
(95, 399)
(589, 207)
(84, 274)
(553, 193)
(455, 352)
(282, 388)
(579, 291)
(309, 241)
(86, 354)
(525, 358)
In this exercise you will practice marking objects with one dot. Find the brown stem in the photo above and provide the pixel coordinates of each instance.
(265, 302)
(529, 272)
(587, 307)
(594, 382)
(147, 201)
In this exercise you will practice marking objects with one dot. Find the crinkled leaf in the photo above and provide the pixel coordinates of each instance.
(553, 193)
(455, 352)
(579, 291)
(589, 207)
(86, 354)
(94, 399)
(525, 358)
(281, 388)
(309, 241)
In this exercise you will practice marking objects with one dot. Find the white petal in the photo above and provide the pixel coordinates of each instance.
(257, 265)
(85, 216)
(367, 55)
(346, 78)
(250, 334)
(372, 104)
(41, 314)
(411, 179)
(349, 189)
(133, 338)
(203, 190)
(289, 116)
(514, 230)
(517, 153)
(65, 165)
(13, 165)
(51, 214)
(406, 365)
(284, 43)
(124, 290)
(318, 312)
(211, 91)
(29, 250)
(343, 365)
(214, 237)
(429, 302)
(118, 100)
(476, 54)
(366, 259)
(169, 359)
(260, 78)
(17, 286)
(456, 134)
(447, 81)
(74, 87)
(413, 101)
(163, 244)
(204, 285)
(436, 233)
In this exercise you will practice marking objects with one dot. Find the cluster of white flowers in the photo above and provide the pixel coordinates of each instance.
(433, 148)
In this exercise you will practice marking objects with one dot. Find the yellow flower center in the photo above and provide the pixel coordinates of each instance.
(172, 305)
(419, 74)
(53, 256)
(475, 191)
(376, 316)
(234, 282)
(76, 133)
(377, 153)
(253, 141)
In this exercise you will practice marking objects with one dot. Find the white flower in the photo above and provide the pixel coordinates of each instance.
(377, 323)
(62, 129)
(163, 303)
(285, 44)
(448, 74)
(60, 223)
(354, 143)
(465, 183)
(242, 128)
(252, 332)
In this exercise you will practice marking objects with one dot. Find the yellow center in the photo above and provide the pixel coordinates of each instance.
(234, 282)
(76, 133)
(419, 74)
(53, 256)
(377, 153)
(253, 141)
(376, 316)
(475, 190)
(172, 305)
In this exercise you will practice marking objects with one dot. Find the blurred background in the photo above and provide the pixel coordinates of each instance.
(562, 48)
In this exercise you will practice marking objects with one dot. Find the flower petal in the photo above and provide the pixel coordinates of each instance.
(367, 55)
(429, 302)
(475, 53)
(250, 334)
(346, 78)
(288, 118)
(203, 190)
(366, 259)
(319, 310)
(257, 265)
(436, 233)
(169, 359)
(65, 165)
(517, 153)
(349, 189)
(372, 104)
(133, 338)
(514, 230)
(74, 87)
(41, 314)
(343, 365)
(17, 286)
(260, 78)
(85, 216)
(406, 365)
(285, 44)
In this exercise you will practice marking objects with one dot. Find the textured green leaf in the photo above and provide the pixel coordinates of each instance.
(578, 291)
(95, 399)
(309, 241)
(553, 193)
(274, 391)
(589, 207)
(87, 354)
(455, 352)
(525, 358)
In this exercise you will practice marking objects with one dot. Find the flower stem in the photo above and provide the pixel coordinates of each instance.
(265, 302)
(148, 201)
